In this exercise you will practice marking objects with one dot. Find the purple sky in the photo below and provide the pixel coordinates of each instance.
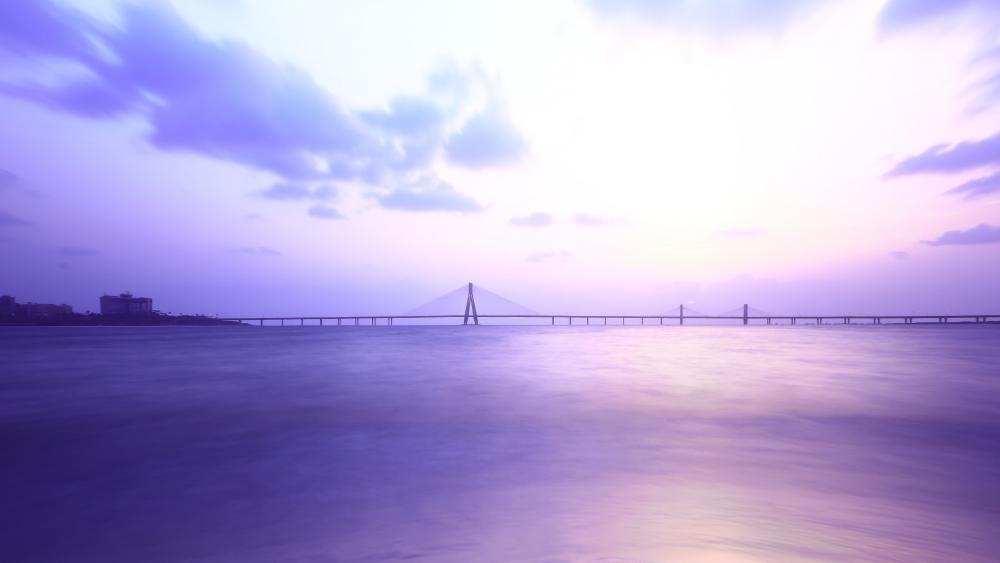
(314, 157)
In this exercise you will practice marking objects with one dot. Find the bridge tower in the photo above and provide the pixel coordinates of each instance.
(470, 301)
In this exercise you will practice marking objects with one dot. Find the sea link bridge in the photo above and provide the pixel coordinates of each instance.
(516, 313)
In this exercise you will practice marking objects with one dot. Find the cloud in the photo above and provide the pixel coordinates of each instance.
(325, 212)
(959, 157)
(741, 233)
(714, 16)
(900, 255)
(591, 220)
(419, 127)
(9, 220)
(77, 251)
(428, 194)
(980, 234)
(966, 155)
(978, 188)
(223, 100)
(290, 191)
(40, 28)
(409, 115)
(986, 91)
(899, 14)
(548, 257)
(488, 139)
(537, 219)
(256, 251)
(227, 101)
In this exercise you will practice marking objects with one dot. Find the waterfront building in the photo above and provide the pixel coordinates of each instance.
(126, 304)
(9, 307)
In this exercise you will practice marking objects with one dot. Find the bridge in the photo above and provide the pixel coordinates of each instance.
(745, 315)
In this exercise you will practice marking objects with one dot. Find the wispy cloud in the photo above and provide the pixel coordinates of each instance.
(966, 155)
(713, 16)
(902, 15)
(899, 14)
(256, 251)
(537, 219)
(978, 188)
(428, 194)
(545, 257)
(980, 234)
(900, 255)
(325, 212)
(291, 191)
(959, 157)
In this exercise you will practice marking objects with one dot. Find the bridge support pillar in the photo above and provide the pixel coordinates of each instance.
(746, 310)
(681, 319)
(470, 301)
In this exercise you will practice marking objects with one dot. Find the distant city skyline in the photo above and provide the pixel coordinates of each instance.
(242, 157)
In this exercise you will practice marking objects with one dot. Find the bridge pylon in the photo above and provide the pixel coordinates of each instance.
(470, 302)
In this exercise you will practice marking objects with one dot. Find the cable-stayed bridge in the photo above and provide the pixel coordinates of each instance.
(470, 304)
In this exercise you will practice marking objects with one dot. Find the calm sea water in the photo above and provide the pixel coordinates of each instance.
(472, 444)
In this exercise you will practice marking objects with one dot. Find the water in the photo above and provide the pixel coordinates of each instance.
(500, 444)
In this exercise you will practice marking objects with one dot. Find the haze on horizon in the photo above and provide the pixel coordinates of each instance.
(312, 157)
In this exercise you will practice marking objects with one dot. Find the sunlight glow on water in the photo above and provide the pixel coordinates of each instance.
(501, 444)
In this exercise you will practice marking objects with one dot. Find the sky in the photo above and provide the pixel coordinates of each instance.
(250, 157)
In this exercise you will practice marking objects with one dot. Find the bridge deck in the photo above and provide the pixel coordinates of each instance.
(389, 320)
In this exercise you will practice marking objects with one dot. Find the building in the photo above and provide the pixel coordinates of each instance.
(126, 304)
(45, 310)
(9, 308)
